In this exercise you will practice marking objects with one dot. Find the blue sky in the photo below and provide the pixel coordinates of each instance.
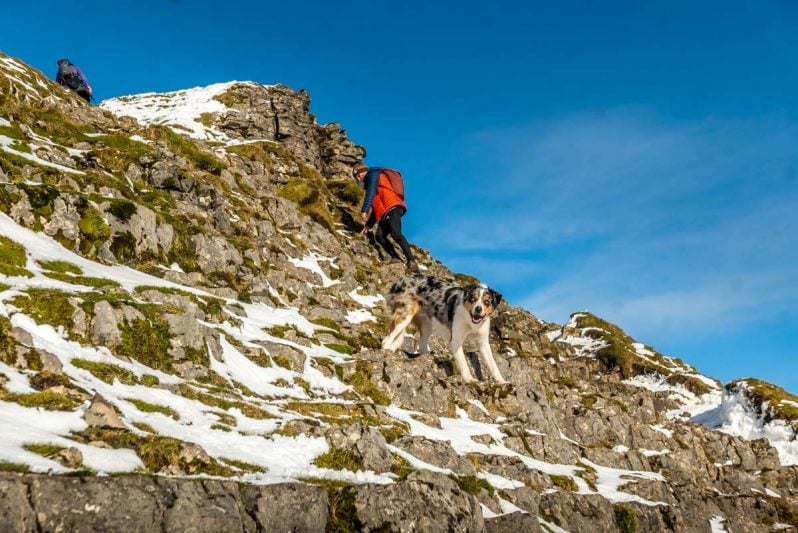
(637, 161)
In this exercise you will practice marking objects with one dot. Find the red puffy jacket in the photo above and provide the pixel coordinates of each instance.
(379, 195)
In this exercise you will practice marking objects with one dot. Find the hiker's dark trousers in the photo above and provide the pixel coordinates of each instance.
(391, 224)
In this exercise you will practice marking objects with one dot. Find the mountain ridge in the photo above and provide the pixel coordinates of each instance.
(244, 342)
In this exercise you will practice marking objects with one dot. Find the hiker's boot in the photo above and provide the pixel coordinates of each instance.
(412, 266)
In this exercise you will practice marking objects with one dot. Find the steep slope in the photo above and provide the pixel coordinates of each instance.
(183, 292)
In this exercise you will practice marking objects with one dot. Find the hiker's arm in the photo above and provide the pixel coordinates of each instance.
(372, 181)
(82, 76)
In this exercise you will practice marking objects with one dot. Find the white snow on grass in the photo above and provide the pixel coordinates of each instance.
(653, 453)
(500, 482)
(458, 432)
(690, 405)
(609, 480)
(550, 526)
(22, 425)
(659, 428)
(7, 142)
(237, 367)
(717, 524)
(737, 416)
(17, 382)
(359, 316)
(480, 406)
(620, 449)
(311, 262)
(366, 300)
(180, 110)
(246, 438)
(417, 463)
(4, 122)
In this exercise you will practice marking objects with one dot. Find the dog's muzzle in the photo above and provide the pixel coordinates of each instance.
(476, 318)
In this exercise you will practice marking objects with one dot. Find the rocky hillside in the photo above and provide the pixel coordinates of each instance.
(188, 315)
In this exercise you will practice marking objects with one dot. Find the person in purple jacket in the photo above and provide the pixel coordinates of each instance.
(71, 76)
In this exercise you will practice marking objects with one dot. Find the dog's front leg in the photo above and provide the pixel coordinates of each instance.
(456, 347)
(486, 356)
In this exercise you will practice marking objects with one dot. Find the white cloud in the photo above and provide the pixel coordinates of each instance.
(653, 224)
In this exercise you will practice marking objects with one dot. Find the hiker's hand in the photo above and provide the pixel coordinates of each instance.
(365, 230)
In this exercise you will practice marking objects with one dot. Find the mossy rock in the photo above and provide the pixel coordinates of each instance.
(61, 266)
(93, 227)
(625, 518)
(337, 459)
(46, 306)
(780, 403)
(13, 258)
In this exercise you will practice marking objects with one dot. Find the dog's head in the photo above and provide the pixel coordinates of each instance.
(481, 301)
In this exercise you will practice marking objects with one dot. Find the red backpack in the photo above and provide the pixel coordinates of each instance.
(397, 184)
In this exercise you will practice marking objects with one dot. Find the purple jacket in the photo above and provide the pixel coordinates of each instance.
(79, 73)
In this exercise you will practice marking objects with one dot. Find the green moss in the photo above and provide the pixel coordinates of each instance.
(107, 372)
(20, 146)
(6, 466)
(342, 516)
(224, 403)
(565, 483)
(341, 348)
(761, 391)
(45, 380)
(337, 459)
(145, 427)
(8, 353)
(361, 382)
(625, 518)
(693, 384)
(93, 227)
(41, 198)
(8, 198)
(82, 280)
(13, 131)
(61, 266)
(307, 194)
(347, 191)
(335, 410)
(33, 360)
(327, 323)
(588, 400)
(188, 149)
(117, 152)
(401, 467)
(156, 452)
(148, 380)
(52, 401)
(619, 352)
(147, 341)
(123, 246)
(565, 381)
(43, 449)
(46, 306)
(210, 305)
(13, 258)
(243, 466)
(473, 485)
(283, 361)
(395, 431)
(146, 407)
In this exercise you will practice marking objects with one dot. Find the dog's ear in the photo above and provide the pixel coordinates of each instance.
(496, 298)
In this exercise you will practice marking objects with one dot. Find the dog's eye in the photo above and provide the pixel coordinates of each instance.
(472, 300)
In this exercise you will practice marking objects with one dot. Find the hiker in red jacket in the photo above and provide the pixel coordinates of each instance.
(384, 207)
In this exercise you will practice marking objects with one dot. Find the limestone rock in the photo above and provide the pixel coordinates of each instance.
(102, 414)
